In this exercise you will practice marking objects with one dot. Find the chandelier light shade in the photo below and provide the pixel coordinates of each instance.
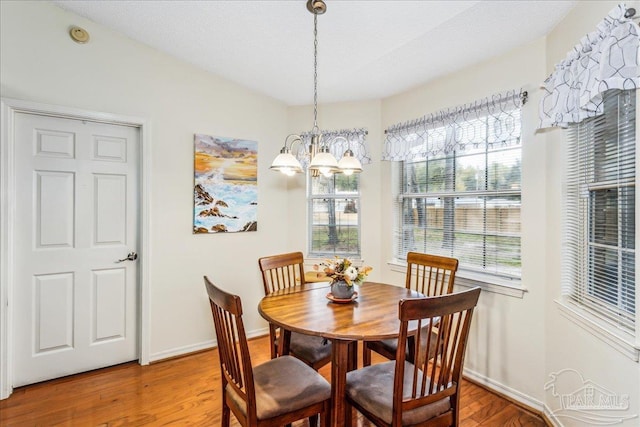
(349, 164)
(316, 151)
(324, 162)
(286, 162)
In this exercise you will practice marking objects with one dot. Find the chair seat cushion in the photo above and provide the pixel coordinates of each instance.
(390, 345)
(283, 385)
(372, 388)
(310, 348)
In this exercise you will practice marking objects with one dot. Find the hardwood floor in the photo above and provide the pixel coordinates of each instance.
(186, 391)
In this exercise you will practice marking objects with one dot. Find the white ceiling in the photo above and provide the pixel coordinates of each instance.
(366, 49)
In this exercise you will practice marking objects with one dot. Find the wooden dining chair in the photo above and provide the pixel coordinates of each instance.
(277, 392)
(426, 393)
(431, 275)
(281, 272)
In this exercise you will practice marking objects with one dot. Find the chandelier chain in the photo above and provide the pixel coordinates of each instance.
(314, 149)
(315, 74)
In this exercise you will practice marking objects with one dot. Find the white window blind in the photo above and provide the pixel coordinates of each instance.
(334, 209)
(459, 191)
(599, 223)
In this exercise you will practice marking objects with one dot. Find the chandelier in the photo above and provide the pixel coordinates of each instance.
(317, 151)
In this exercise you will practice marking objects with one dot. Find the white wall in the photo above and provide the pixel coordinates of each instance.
(516, 342)
(569, 345)
(117, 75)
(345, 115)
(506, 347)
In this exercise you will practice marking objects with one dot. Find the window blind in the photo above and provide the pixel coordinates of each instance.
(464, 201)
(599, 222)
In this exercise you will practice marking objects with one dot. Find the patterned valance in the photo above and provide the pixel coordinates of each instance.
(604, 59)
(354, 139)
(491, 121)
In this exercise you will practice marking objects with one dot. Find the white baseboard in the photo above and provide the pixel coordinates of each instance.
(516, 395)
(551, 417)
(180, 351)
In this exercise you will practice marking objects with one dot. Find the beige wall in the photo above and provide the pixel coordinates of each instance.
(507, 343)
(516, 342)
(117, 75)
(569, 345)
(364, 114)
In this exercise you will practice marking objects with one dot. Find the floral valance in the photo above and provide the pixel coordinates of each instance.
(604, 59)
(491, 121)
(338, 142)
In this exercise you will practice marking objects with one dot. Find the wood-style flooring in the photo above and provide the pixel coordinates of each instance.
(186, 392)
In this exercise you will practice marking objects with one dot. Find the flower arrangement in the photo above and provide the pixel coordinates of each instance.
(342, 269)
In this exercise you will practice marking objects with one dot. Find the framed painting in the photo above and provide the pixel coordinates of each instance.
(225, 196)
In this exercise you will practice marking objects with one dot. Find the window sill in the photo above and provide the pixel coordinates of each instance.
(317, 259)
(468, 279)
(619, 340)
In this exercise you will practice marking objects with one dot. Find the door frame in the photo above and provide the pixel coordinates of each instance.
(8, 110)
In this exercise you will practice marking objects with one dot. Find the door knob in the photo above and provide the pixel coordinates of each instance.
(132, 256)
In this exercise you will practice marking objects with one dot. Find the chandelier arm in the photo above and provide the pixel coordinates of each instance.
(316, 146)
(297, 138)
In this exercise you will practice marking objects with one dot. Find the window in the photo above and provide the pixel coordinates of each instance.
(465, 203)
(599, 226)
(334, 209)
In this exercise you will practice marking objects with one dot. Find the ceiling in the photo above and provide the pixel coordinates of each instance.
(366, 49)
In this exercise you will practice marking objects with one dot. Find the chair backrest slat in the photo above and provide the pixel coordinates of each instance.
(441, 326)
(431, 275)
(281, 271)
(233, 350)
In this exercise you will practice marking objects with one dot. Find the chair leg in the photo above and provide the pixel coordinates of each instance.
(326, 414)
(226, 415)
(366, 354)
(272, 341)
(348, 415)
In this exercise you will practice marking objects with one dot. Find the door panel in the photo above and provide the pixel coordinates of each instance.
(53, 312)
(109, 302)
(110, 213)
(75, 305)
(54, 216)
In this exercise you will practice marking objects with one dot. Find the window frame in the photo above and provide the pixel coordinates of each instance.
(510, 283)
(586, 220)
(357, 197)
(592, 320)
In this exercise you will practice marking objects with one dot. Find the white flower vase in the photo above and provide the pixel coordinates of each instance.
(340, 289)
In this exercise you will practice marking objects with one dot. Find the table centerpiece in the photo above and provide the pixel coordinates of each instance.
(344, 275)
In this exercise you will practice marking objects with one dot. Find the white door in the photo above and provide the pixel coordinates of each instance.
(75, 306)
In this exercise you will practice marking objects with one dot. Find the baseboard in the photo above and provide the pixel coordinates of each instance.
(195, 348)
(526, 402)
(515, 396)
(550, 418)
(181, 351)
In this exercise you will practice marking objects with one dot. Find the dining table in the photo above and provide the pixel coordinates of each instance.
(371, 315)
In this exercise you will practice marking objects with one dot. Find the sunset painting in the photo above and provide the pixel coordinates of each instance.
(225, 196)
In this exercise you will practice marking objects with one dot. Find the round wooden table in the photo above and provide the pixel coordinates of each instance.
(372, 316)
